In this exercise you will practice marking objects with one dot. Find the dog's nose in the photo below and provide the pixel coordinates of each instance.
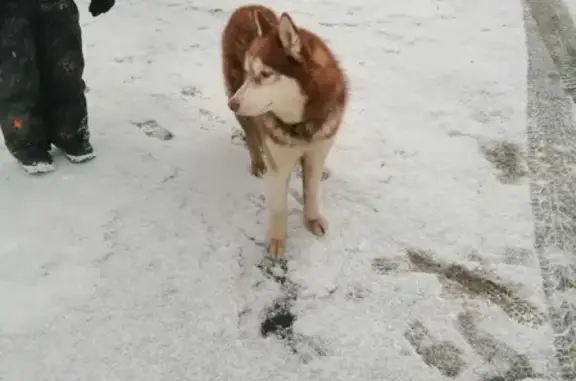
(234, 105)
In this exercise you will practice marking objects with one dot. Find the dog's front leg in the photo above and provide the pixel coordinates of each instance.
(254, 144)
(312, 173)
(277, 181)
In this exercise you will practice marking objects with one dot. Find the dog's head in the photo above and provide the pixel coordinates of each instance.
(274, 71)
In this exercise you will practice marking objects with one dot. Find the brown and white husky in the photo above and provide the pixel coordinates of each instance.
(288, 93)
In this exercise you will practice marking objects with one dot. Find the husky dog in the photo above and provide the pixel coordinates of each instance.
(289, 94)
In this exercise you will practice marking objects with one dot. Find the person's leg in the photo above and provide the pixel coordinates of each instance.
(61, 65)
(22, 128)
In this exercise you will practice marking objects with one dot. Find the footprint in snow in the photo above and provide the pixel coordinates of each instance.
(279, 318)
(152, 129)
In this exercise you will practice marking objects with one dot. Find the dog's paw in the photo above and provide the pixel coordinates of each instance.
(317, 226)
(258, 169)
(276, 247)
(237, 138)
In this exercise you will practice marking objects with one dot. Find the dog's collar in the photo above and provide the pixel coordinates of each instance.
(304, 130)
(295, 134)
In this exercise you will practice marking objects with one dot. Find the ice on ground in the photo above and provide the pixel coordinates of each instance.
(143, 264)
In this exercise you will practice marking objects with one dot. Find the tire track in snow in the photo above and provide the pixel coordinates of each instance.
(552, 163)
(470, 286)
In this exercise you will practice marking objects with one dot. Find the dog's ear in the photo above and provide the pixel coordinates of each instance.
(289, 37)
(263, 25)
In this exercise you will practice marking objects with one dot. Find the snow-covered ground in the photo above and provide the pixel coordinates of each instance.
(142, 265)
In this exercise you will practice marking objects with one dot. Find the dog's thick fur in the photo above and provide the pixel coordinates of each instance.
(289, 95)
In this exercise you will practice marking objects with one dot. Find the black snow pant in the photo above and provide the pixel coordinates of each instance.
(42, 99)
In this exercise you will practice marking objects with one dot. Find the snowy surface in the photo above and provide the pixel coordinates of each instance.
(141, 265)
